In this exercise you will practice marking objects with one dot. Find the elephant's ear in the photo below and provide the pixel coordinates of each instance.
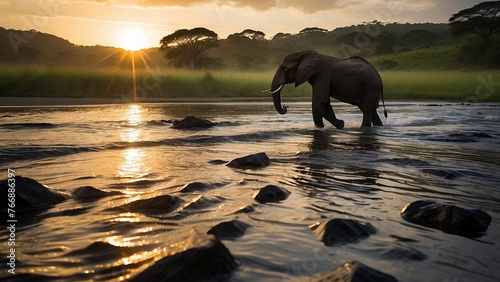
(309, 65)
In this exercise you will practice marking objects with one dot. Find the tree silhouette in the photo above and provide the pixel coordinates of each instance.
(483, 19)
(185, 46)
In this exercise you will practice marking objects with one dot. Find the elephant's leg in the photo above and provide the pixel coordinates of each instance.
(376, 119)
(367, 119)
(318, 117)
(318, 109)
(330, 116)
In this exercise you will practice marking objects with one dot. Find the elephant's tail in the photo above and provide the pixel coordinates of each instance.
(382, 95)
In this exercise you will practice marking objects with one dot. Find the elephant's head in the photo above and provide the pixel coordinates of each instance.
(295, 67)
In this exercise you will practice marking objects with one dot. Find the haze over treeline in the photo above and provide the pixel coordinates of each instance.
(249, 50)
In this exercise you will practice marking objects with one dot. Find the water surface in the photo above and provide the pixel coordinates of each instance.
(448, 153)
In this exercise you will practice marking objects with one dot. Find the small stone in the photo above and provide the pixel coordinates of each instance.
(193, 187)
(89, 193)
(271, 193)
(340, 231)
(192, 122)
(255, 160)
(229, 230)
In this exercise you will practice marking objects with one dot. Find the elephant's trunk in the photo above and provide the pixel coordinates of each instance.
(277, 103)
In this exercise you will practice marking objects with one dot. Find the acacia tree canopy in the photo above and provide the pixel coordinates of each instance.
(482, 19)
(185, 46)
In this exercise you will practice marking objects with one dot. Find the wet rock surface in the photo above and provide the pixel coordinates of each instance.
(89, 193)
(154, 206)
(271, 193)
(194, 187)
(30, 194)
(229, 230)
(191, 122)
(255, 160)
(448, 218)
(201, 257)
(354, 272)
(340, 231)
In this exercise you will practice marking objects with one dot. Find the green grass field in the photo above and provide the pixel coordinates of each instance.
(43, 81)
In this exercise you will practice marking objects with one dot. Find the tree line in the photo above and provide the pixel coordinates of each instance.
(475, 29)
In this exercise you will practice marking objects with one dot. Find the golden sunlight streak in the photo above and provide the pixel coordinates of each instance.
(132, 40)
(133, 132)
(134, 163)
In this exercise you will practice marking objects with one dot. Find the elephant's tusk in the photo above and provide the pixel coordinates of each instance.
(277, 90)
(267, 91)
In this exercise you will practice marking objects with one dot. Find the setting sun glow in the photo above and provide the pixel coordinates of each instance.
(132, 40)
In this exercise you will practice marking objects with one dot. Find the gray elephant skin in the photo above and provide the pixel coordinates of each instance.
(352, 80)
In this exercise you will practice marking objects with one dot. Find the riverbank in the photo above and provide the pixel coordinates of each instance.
(166, 85)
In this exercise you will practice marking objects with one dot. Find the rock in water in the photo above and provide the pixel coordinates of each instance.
(354, 272)
(340, 231)
(271, 193)
(229, 230)
(255, 160)
(30, 194)
(89, 193)
(448, 218)
(193, 187)
(192, 122)
(201, 257)
(154, 206)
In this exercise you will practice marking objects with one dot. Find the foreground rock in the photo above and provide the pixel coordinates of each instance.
(89, 193)
(229, 230)
(29, 194)
(448, 218)
(271, 193)
(201, 257)
(255, 160)
(154, 206)
(354, 272)
(192, 122)
(340, 231)
(193, 187)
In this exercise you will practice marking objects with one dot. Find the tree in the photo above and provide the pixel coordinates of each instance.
(186, 46)
(483, 19)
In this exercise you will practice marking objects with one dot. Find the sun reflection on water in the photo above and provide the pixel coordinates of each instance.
(134, 159)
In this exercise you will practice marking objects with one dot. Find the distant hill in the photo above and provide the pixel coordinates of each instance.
(373, 40)
(33, 47)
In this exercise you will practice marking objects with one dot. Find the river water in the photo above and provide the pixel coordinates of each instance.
(446, 152)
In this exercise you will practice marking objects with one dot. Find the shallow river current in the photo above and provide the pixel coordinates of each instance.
(446, 152)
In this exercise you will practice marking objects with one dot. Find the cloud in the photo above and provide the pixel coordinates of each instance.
(307, 7)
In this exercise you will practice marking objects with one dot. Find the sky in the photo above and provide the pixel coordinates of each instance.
(135, 24)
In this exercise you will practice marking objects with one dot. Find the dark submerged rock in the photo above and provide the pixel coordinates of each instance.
(30, 194)
(89, 193)
(229, 230)
(340, 231)
(271, 193)
(193, 187)
(402, 253)
(246, 209)
(202, 202)
(157, 205)
(255, 160)
(448, 218)
(354, 272)
(192, 122)
(201, 257)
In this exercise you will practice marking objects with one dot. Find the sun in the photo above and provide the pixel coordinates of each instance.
(132, 40)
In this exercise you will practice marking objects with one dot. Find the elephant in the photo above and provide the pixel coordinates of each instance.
(353, 80)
